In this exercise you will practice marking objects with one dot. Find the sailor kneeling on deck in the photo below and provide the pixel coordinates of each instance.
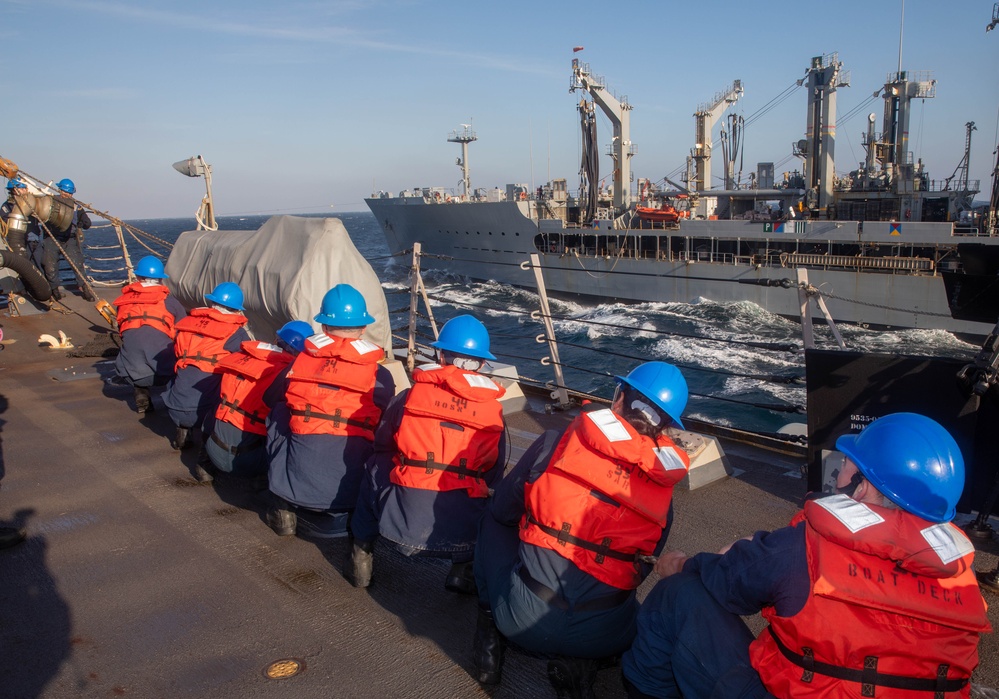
(204, 338)
(147, 314)
(868, 592)
(237, 433)
(565, 540)
(440, 448)
(320, 436)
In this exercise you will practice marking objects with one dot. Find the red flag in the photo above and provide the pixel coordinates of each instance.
(577, 49)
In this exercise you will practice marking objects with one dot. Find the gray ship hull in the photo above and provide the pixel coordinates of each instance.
(490, 240)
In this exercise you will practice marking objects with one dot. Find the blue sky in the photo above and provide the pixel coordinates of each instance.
(309, 106)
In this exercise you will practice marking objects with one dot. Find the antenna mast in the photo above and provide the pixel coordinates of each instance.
(464, 137)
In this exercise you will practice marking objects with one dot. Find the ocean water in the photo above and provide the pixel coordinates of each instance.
(730, 381)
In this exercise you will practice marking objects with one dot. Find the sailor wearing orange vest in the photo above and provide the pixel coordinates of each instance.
(440, 448)
(869, 592)
(238, 431)
(203, 340)
(320, 435)
(146, 317)
(563, 543)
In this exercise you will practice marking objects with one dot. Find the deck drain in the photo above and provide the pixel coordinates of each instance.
(283, 669)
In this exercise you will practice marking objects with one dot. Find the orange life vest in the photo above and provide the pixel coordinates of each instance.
(246, 376)
(604, 498)
(331, 387)
(141, 305)
(450, 431)
(201, 337)
(894, 604)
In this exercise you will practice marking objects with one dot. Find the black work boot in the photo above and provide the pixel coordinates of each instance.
(488, 648)
(204, 467)
(281, 519)
(461, 579)
(143, 403)
(10, 536)
(572, 678)
(362, 563)
(180, 438)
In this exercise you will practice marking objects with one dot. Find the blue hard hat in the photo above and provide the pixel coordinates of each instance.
(464, 335)
(227, 294)
(913, 461)
(294, 333)
(66, 185)
(150, 267)
(16, 183)
(661, 383)
(344, 307)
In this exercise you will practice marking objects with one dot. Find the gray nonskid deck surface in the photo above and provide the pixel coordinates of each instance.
(137, 581)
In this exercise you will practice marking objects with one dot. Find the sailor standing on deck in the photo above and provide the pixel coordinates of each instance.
(70, 240)
(147, 314)
(562, 544)
(320, 435)
(238, 432)
(203, 340)
(22, 236)
(440, 448)
(869, 592)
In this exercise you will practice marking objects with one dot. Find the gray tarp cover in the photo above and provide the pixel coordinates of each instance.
(283, 269)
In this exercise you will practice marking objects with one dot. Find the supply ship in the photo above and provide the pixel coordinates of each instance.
(885, 246)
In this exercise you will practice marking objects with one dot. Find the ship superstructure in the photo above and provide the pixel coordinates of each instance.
(876, 243)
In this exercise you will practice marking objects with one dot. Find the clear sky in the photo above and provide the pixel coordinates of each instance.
(309, 106)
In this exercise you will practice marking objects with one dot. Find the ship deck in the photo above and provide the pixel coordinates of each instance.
(138, 581)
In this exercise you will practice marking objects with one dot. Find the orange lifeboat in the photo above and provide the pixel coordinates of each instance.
(664, 214)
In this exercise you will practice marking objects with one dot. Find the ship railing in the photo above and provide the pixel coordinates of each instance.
(726, 258)
(894, 264)
(423, 329)
(968, 232)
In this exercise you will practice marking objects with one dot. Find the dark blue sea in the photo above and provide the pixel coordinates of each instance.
(600, 341)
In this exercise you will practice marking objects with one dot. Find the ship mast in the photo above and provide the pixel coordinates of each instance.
(464, 137)
(619, 114)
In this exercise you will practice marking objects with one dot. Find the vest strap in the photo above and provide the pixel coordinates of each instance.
(200, 358)
(143, 316)
(869, 677)
(337, 419)
(430, 465)
(602, 549)
(252, 417)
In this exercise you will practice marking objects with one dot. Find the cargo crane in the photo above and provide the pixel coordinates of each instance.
(704, 120)
(619, 114)
(823, 77)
